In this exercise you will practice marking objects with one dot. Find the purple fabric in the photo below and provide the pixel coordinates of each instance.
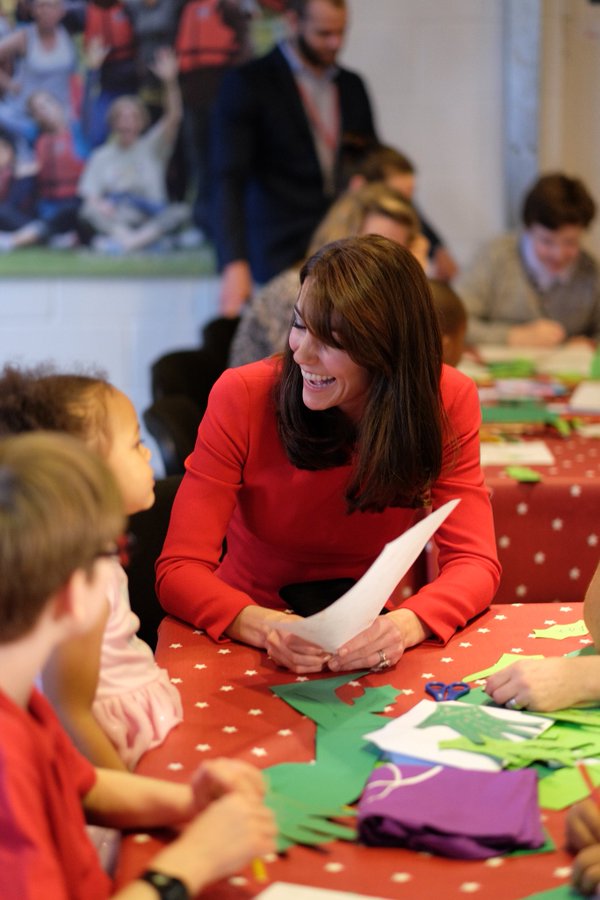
(450, 812)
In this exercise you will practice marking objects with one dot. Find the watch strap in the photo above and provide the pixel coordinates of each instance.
(166, 886)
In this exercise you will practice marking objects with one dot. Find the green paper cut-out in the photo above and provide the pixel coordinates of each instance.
(588, 717)
(566, 786)
(547, 847)
(529, 411)
(562, 892)
(523, 474)
(475, 723)
(513, 755)
(305, 796)
(585, 651)
(505, 660)
(560, 632)
(478, 697)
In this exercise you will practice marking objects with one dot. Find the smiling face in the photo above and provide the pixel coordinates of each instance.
(127, 457)
(556, 249)
(329, 376)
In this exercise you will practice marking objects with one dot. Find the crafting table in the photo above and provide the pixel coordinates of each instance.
(230, 710)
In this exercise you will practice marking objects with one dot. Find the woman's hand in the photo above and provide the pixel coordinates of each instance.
(382, 644)
(293, 653)
(546, 684)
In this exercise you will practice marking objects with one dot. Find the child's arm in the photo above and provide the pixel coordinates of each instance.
(165, 67)
(235, 827)
(70, 680)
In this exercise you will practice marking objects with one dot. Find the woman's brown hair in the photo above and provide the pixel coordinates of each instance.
(371, 298)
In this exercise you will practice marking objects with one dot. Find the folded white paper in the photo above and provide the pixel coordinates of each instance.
(359, 607)
(282, 890)
(586, 397)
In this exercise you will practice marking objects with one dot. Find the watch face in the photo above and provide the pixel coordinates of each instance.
(168, 888)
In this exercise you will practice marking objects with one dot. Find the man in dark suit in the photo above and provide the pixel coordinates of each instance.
(278, 125)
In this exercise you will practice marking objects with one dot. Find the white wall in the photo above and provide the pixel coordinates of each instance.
(434, 70)
(118, 326)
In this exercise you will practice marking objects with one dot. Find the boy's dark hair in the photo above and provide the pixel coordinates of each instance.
(556, 200)
(451, 311)
(59, 508)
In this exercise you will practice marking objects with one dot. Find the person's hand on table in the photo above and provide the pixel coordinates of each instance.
(382, 644)
(583, 825)
(546, 684)
(539, 333)
(585, 874)
(294, 653)
(218, 777)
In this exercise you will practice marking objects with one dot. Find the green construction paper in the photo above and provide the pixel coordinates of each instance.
(475, 723)
(478, 697)
(527, 411)
(560, 632)
(595, 366)
(512, 368)
(513, 755)
(523, 474)
(562, 892)
(566, 786)
(547, 847)
(305, 796)
(561, 425)
(588, 717)
(590, 650)
(505, 660)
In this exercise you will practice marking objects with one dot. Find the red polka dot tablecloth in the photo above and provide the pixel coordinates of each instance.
(548, 532)
(230, 710)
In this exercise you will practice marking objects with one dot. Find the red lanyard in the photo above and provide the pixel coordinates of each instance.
(327, 134)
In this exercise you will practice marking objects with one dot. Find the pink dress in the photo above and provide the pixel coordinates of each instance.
(135, 704)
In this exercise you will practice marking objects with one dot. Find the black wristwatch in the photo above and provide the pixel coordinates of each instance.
(167, 887)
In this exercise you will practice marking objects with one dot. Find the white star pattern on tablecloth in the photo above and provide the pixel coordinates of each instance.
(255, 712)
(202, 748)
(142, 838)
(516, 649)
(176, 680)
(521, 590)
(388, 709)
(504, 541)
(229, 729)
(585, 641)
(201, 704)
(470, 887)
(175, 767)
(574, 573)
(427, 675)
(565, 609)
(562, 872)
(258, 751)
(522, 509)
(549, 622)
(175, 646)
(408, 691)
(483, 630)
(333, 867)
(575, 490)
(284, 732)
(539, 558)
(224, 651)
(465, 644)
(250, 672)
(237, 881)
(557, 524)
(401, 877)
(301, 678)
(226, 687)
(200, 666)
(500, 617)
(494, 862)
(516, 605)
(592, 540)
